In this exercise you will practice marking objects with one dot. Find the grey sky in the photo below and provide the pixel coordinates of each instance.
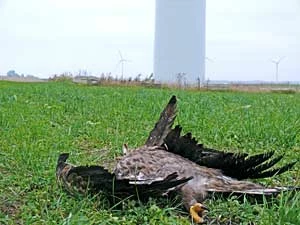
(44, 37)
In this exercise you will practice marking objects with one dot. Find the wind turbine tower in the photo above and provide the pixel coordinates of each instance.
(122, 61)
(179, 40)
(276, 62)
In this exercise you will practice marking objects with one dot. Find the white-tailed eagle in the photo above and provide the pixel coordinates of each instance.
(171, 162)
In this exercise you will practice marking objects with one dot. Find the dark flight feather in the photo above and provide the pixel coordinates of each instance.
(163, 125)
(239, 166)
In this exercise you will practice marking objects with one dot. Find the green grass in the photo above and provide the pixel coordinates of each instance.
(38, 121)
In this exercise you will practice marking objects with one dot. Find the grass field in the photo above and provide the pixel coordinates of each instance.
(39, 121)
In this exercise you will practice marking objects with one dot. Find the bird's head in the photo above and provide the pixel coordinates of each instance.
(62, 158)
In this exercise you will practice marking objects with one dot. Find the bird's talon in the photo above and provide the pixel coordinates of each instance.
(197, 212)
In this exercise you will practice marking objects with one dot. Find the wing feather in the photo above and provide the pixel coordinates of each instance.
(95, 179)
(239, 166)
(163, 125)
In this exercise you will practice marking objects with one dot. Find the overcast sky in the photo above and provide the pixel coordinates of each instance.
(46, 37)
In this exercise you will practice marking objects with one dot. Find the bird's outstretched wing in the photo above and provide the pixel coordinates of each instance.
(163, 125)
(96, 179)
(239, 166)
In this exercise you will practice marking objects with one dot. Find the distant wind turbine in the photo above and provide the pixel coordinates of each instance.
(122, 61)
(209, 59)
(276, 62)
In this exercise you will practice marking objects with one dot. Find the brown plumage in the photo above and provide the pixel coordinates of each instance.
(95, 179)
(171, 162)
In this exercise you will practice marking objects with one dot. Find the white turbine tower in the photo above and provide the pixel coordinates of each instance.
(179, 40)
(277, 62)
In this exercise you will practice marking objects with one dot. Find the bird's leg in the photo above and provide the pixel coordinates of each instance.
(197, 212)
(191, 199)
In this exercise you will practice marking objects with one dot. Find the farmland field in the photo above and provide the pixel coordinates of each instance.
(38, 121)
